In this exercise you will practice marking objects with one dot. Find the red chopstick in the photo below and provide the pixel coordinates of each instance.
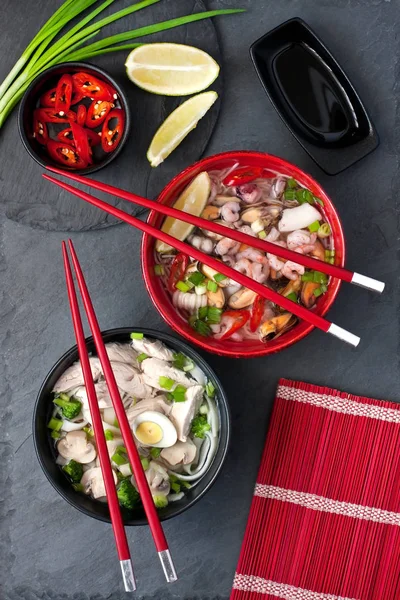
(265, 292)
(115, 513)
(255, 242)
(133, 454)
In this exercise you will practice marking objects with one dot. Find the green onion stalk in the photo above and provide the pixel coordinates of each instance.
(69, 46)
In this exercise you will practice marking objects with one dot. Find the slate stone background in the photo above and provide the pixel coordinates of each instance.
(47, 549)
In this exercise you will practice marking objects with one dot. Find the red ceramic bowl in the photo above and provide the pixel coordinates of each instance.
(161, 298)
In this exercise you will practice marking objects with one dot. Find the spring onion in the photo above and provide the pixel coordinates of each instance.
(303, 196)
(318, 292)
(78, 487)
(292, 183)
(166, 382)
(159, 270)
(201, 327)
(55, 435)
(155, 452)
(314, 227)
(145, 463)
(182, 286)
(142, 356)
(179, 393)
(175, 487)
(200, 290)
(214, 315)
(262, 235)
(210, 389)
(219, 277)
(72, 42)
(196, 278)
(318, 201)
(203, 312)
(55, 424)
(290, 194)
(182, 362)
(324, 231)
(308, 276)
(136, 336)
(320, 277)
(116, 424)
(212, 286)
(203, 410)
(109, 435)
(89, 431)
(118, 459)
(292, 296)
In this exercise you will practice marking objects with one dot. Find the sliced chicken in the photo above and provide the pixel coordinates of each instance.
(93, 482)
(122, 353)
(129, 380)
(156, 349)
(102, 393)
(154, 368)
(182, 413)
(158, 479)
(158, 403)
(73, 376)
(180, 453)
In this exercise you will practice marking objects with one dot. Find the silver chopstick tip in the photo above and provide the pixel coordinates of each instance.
(127, 575)
(344, 335)
(168, 566)
(368, 282)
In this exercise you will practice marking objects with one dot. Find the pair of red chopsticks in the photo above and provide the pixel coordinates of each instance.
(134, 458)
(312, 263)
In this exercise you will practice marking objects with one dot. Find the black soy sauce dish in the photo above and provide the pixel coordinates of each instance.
(30, 101)
(313, 96)
(45, 447)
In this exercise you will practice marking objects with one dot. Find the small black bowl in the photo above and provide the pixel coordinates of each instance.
(30, 101)
(45, 448)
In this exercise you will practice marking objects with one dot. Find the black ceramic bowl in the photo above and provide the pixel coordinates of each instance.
(46, 453)
(30, 102)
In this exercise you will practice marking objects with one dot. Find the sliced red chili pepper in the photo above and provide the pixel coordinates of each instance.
(81, 143)
(50, 115)
(245, 175)
(178, 269)
(91, 87)
(240, 317)
(81, 115)
(65, 154)
(40, 131)
(97, 112)
(93, 137)
(76, 95)
(65, 135)
(257, 312)
(111, 135)
(48, 99)
(64, 94)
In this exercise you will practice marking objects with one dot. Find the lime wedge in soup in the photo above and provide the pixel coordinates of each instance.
(193, 200)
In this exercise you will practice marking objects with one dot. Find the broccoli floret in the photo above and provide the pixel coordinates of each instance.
(127, 495)
(74, 470)
(200, 425)
(160, 501)
(70, 408)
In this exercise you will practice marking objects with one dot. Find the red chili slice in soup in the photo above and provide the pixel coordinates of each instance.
(178, 269)
(257, 311)
(239, 318)
(97, 112)
(245, 175)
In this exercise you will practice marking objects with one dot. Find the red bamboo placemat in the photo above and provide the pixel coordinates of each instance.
(324, 522)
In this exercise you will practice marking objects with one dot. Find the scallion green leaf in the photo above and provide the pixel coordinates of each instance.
(219, 277)
(212, 286)
(166, 382)
(182, 286)
(142, 356)
(159, 270)
(196, 278)
(136, 336)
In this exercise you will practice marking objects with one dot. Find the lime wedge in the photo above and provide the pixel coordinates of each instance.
(171, 69)
(177, 125)
(193, 200)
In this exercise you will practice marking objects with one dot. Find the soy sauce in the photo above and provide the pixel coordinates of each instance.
(320, 105)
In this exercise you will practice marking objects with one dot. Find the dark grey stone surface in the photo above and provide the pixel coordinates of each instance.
(50, 551)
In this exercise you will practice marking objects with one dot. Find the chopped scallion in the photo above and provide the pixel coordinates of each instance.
(292, 183)
(290, 194)
(308, 276)
(142, 356)
(210, 389)
(319, 277)
(166, 382)
(155, 452)
(219, 277)
(212, 286)
(182, 286)
(292, 296)
(118, 459)
(200, 326)
(55, 424)
(203, 312)
(159, 270)
(262, 235)
(324, 231)
(196, 278)
(303, 196)
(175, 487)
(179, 393)
(314, 227)
(318, 292)
(145, 463)
(55, 435)
(108, 435)
(136, 336)
(78, 487)
(318, 201)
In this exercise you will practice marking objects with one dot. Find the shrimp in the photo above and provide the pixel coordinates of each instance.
(301, 241)
(292, 270)
(244, 266)
(204, 244)
(247, 230)
(274, 262)
(249, 193)
(252, 254)
(273, 235)
(227, 246)
(230, 211)
(229, 260)
(189, 302)
(260, 272)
